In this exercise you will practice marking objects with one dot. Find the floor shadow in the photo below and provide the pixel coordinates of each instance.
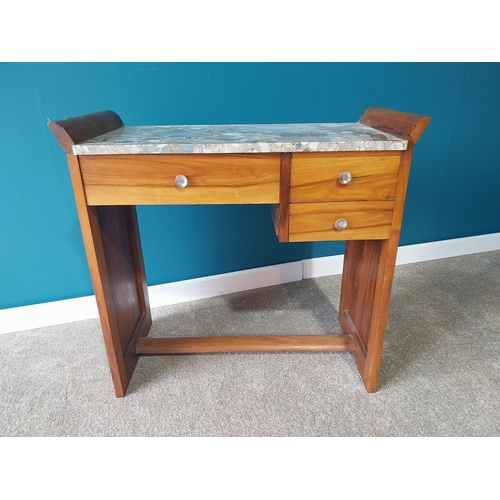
(303, 299)
(295, 308)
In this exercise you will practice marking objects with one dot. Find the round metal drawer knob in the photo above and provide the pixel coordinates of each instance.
(340, 224)
(181, 181)
(345, 178)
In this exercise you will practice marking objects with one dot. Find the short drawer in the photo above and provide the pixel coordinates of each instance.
(315, 176)
(364, 221)
(211, 179)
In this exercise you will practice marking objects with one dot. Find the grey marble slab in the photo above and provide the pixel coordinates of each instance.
(266, 138)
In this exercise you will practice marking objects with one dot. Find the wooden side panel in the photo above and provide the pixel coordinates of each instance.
(114, 254)
(114, 225)
(150, 179)
(359, 280)
(369, 265)
(367, 284)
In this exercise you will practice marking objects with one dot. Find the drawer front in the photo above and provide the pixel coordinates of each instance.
(315, 176)
(150, 179)
(316, 221)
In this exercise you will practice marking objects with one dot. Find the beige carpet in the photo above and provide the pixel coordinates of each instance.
(440, 373)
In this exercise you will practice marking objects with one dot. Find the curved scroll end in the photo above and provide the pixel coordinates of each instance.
(82, 128)
(405, 125)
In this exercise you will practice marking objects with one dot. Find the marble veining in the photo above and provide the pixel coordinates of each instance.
(266, 138)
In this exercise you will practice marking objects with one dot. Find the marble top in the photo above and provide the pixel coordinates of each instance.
(268, 138)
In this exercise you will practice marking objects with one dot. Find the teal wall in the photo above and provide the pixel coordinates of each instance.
(454, 188)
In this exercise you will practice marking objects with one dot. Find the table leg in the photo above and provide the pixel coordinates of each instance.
(113, 247)
(367, 284)
(364, 302)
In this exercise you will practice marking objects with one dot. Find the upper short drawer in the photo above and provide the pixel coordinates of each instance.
(315, 176)
(211, 179)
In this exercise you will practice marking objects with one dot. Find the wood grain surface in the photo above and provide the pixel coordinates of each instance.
(315, 176)
(307, 199)
(82, 128)
(244, 343)
(150, 179)
(316, 221)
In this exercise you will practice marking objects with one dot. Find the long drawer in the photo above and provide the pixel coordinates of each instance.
(368, 220)
(315, 176)
(208, 179)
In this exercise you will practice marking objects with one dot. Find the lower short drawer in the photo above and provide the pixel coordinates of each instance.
(368, 220)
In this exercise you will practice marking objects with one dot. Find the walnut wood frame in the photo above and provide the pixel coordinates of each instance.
(113, 247)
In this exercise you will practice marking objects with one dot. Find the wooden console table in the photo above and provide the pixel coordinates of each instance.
(323, 182)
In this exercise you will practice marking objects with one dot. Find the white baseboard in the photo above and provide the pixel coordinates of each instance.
(221, 284)
(327, 266)
(82, 308)
(448, 248)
